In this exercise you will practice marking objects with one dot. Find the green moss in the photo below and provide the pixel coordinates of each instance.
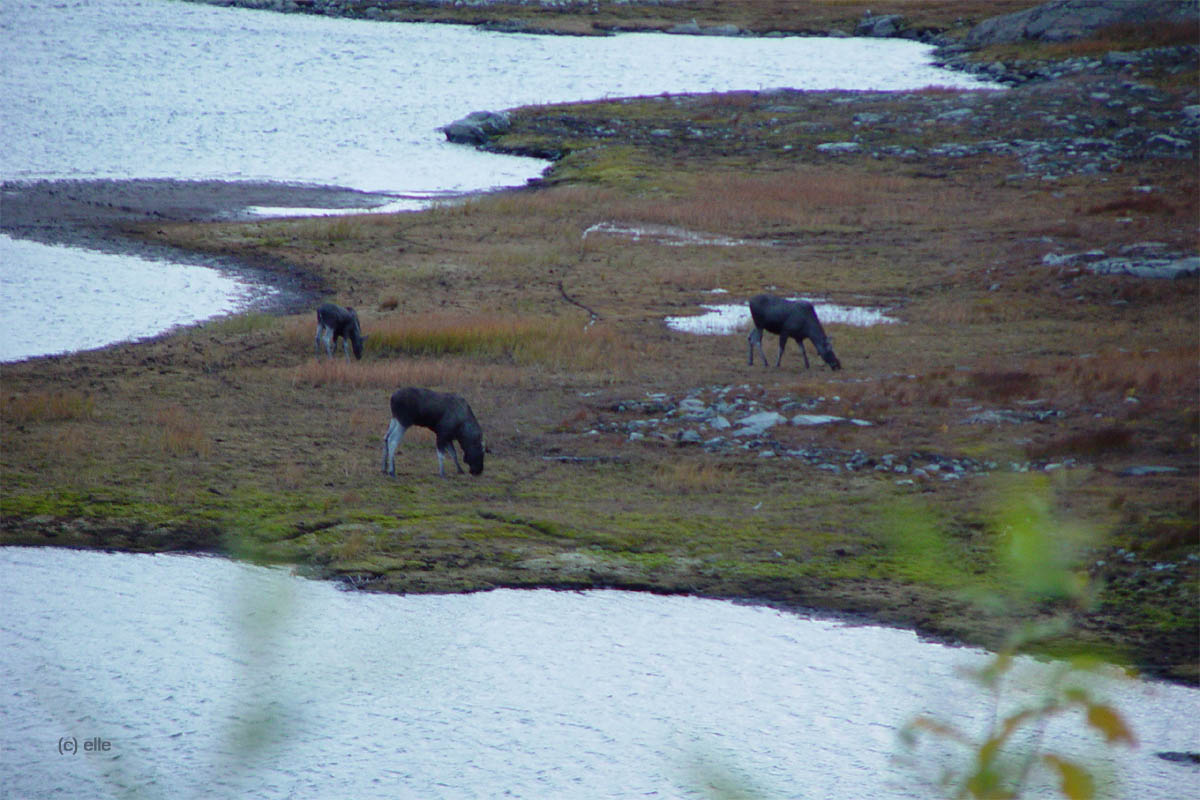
(100, 504)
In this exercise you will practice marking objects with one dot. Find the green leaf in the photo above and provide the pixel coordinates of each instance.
(1075, 782)
(1106, 720)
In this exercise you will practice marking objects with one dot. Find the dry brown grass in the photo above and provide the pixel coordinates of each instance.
(689, 477)
(1090, 443)
(802, 200)
(395, 373)
(1174, 373)
(181, 432)
(46, 406)
(556, 343)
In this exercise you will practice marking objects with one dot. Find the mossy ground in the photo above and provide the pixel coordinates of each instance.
(233, 437)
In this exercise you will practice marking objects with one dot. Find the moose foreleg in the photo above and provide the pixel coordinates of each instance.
(755, 339)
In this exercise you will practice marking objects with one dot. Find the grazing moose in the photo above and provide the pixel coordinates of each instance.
(335, 322)
(789, 318)
(447, 415)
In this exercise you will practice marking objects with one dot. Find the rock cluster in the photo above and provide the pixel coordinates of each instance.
(1062, 20)
(1139, 260)
(1172, 60)
(735, 418)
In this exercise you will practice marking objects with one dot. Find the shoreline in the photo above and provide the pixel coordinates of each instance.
(112, 215)
(251, 477)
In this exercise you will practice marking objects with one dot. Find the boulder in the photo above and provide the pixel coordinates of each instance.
(1061, 20)
(758, 424)
(477, 127)
(882, 27)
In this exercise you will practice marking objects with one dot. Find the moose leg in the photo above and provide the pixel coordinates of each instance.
(321, 331)
(391, 441)
(447, 446)
(755, 339)
(346, 348)
(782, 342)
(803, 352)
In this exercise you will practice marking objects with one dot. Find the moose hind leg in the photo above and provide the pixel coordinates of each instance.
(391, 441)
(322, 331)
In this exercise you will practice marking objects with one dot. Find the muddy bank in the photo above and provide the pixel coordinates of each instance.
(113, 216)
(87, 213)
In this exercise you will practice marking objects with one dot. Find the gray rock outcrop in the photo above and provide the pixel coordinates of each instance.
(477, 127)
(882, 26)
(1061, 20)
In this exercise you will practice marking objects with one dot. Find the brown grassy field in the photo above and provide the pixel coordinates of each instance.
(234, 436)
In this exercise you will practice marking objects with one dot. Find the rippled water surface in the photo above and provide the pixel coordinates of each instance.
(164, 89)
(151, 88)
(213, 678)
(72, 306)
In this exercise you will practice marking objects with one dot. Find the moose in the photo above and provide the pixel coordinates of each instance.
(789, 318)
(335, 322)
(447, 415)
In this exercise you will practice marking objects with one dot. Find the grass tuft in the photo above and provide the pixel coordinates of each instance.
(687, 477)
(181, 432)
(46, 407)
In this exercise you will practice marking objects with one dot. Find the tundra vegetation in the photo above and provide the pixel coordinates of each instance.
(233, 437)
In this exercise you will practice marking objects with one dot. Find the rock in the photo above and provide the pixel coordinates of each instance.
(1117, 58)
(1139, 472)
(1061, 20)
(881, 27)
(826, 419)
(814, 419)
(685, 29)
(957, 115)
(1165, 268)
(839, 147)
(693, 407)
(694, 28)
(1162, 141)
(758, 424)
(477, 127)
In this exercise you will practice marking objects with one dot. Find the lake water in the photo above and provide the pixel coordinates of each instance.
(212, 678)
(161, 89)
